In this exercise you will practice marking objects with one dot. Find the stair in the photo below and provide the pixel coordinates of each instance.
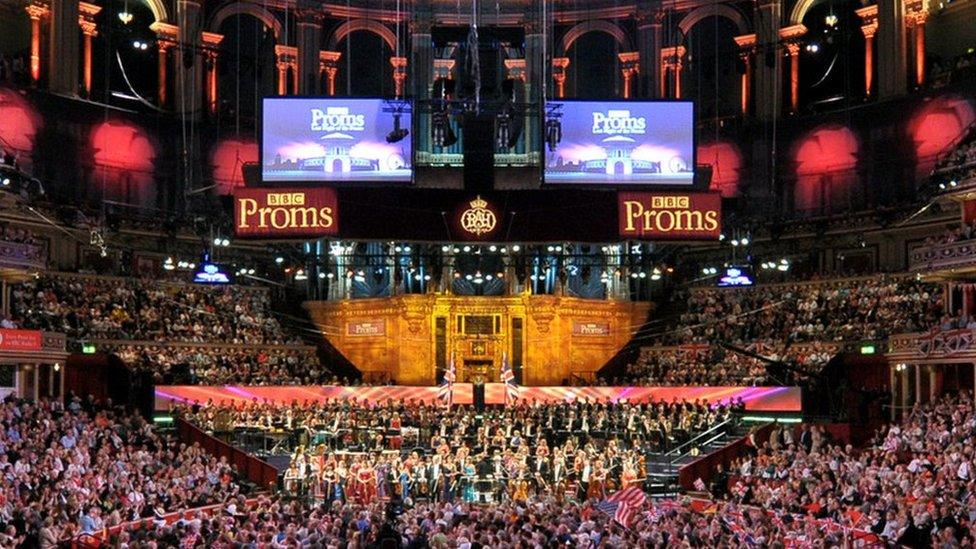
(657, 321)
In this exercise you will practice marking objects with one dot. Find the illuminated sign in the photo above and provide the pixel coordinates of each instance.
(479, 219)
(736, 276)
(669, 216)
(591, 329)
(623, 143)
(330, 139)
(20, 340)
(210, 273)
(366, 328)
(285, 212)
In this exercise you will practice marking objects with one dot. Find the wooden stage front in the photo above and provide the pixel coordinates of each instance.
(547, 339)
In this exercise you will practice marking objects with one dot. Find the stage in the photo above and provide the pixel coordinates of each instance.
(756, 399)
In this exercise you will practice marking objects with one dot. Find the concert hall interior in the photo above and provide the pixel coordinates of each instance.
(471, 274)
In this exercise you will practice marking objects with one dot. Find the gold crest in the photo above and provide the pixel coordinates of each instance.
(478, 219)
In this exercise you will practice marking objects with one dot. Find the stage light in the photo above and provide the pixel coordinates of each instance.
(488, 277)
(633, 275)
(735, 242)
(279, 260)
(953, 183)
(721, 237)
(468, 277)
(813, 47)
(427, 278)
(501, 132)
(745, 241)
(457, 250)
(300, 275)
(516, 248)
(445, 249)
(398, 133)
(406, 249)
(330, 276)
(554, 133)
(6, 181)
(492, 248)
(250, 271)
(643, 274)
(467, 249)
(504, 250)
(500, 274)
(217, 241)
(559, 248)
(398, 249)
(656, 276)
(550, 249)
(168, 264)
(942, 186)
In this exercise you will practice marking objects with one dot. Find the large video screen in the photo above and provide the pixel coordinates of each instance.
(639, 143)
(335, 140)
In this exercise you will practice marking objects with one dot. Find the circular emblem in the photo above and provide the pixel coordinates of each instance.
(478, 219)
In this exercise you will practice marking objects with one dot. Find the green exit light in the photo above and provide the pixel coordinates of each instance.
(88, 348)
(867, 349)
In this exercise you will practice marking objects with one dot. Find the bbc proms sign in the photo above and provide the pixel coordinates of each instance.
(275, 213)
(688, 216)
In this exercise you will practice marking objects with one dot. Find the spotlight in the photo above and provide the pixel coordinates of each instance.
(217, 241)
(744, 241)
(445, 249)
(279, 260)
(5, 181)
(953, 183)
(735, 242)
(501, 132)
(516, 248)
(492, 248)
(467, 249)
(813, 47)
(942, 186)
(321, 275)
(398, 133)
(554, 133)
(441, 131)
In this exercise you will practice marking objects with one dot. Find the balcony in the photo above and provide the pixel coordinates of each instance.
(21, 256)
(944, 260)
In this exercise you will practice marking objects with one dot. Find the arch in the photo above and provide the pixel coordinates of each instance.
(594, 25)
(240, 8)
(717, 10)
(370, 25)
(158, 8)
(800, 10)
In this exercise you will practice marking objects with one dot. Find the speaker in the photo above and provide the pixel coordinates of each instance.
(479, 153)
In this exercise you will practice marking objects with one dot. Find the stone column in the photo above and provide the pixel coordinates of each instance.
(630, 69)
(189, 59)
(329, 66)
(89, 30)
(869, 15)
(399, 65)
(889, 44)
(766, 71)
(287, 59)
(309, 47)
(63, 47)
(211, 41)
(422, 70)
(671, 59)
(791, 41)
(649, 42)
(36, 11)
(747, 44)
(559, 65)
(915, 17)
(166, 37)
(535, 77)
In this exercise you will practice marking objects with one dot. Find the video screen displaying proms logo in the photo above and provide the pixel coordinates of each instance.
(332, 140)
(624, 143)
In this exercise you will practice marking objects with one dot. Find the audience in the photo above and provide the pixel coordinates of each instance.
(89, 307)
(79, 468)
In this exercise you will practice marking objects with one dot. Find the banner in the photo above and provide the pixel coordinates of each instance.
(366, 328)
(328, 139)
(285, 212)
(620, 143)
(756, 399)
(20, 340)
(659, 216)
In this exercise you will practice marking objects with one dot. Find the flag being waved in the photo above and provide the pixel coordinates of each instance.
(623, 505)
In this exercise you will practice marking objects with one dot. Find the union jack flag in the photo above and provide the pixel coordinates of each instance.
(623, 505)
(445, 393)
(508, 378)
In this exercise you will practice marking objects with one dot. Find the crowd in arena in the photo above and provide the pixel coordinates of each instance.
(963, 232)
(713, 366)
(226, 365)
(78, 468)
(832, 310)
(960, 163)
(107, 308)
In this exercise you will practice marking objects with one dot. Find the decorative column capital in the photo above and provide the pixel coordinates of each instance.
(37, 10)
(287, 56)
(309, 16)
(329, 59)
(444, 68)
(515, 68)
(746, 42)
(211, 39)
(671, 56)
(629, 62)
(790, 36)
(560, 63)
(869, 15)
(915, 12)
(167, 35)
(86, 18)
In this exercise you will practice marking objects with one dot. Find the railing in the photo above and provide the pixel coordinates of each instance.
(958, 344)
(703, 467)
(679, 450)
(112, 344)
(943, 256)
(17, 255)
(257, 471)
